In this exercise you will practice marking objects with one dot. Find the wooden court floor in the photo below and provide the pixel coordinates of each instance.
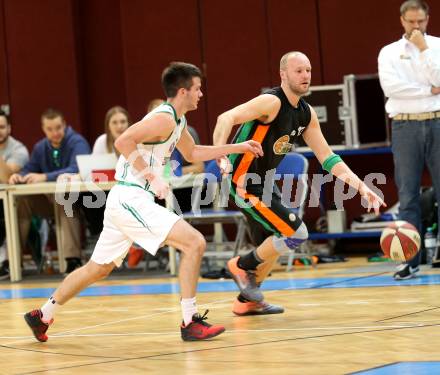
(333, 328)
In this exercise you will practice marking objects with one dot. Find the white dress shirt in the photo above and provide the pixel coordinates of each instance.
(407, 76)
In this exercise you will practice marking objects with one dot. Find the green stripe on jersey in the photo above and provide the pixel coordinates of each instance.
(243, 136)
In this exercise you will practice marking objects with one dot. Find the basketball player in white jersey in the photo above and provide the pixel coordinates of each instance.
(131, 215)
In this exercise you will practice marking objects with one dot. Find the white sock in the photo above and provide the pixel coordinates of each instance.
(189, 308)
(49, 309)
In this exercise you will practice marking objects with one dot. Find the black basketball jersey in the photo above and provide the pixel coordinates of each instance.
(276, 137)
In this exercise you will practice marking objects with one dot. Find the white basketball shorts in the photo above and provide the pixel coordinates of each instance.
(131, 215)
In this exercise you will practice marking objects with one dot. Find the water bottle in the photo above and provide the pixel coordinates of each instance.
(48, 266)
(430, 244)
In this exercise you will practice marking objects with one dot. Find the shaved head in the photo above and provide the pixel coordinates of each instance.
(295, 73)
(286, 57)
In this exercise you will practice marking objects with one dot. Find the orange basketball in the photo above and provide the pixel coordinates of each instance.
(400, 241)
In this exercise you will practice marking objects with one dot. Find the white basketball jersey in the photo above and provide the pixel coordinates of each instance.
(156, 155)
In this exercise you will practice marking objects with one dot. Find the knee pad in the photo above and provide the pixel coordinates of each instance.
(284, 244)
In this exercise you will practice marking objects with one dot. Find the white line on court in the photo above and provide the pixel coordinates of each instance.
(357, 303)
(214, 304)
(148, 316)
(231, 331)
(309, 304)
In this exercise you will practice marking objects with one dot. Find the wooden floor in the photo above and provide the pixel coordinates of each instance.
(331, 330)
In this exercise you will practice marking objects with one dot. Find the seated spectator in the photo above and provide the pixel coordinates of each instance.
(13, 156)
(116, 121)
(53, 157)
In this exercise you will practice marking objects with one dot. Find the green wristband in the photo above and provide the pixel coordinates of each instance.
(331, 161)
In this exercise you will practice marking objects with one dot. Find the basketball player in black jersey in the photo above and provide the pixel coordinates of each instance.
(274, 119)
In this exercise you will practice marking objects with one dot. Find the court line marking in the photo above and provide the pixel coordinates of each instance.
(175, 309)
(56, 353)
(149, 316)
(391, 365)
(266, 292)
(225, 302)
(349, 280)
(409, 314)
(357, 303)
(229, 331)
(220, 304)
(155, 356)
(309, 283)
(309, 304)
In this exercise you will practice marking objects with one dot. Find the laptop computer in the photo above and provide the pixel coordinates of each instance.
(98, 162)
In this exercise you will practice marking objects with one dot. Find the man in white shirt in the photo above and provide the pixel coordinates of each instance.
(13, 156)
(409, 72)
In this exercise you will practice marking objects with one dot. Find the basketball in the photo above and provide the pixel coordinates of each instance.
(400, 241)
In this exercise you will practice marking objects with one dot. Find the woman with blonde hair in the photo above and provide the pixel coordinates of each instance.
(117, 120)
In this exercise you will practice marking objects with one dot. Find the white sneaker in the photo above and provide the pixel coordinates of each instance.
(406, 272)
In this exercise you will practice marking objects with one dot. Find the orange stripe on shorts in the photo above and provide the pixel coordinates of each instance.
(285, 229)
(248, 157)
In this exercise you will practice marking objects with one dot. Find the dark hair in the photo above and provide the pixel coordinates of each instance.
(3, 113)
(51, 113)
(414, 5)
(110, 113)
(178, 75)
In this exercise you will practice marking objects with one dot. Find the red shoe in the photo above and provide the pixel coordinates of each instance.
(245, 280)
(135, 255)
(255, 308)
(198, 329)
(38, 327)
